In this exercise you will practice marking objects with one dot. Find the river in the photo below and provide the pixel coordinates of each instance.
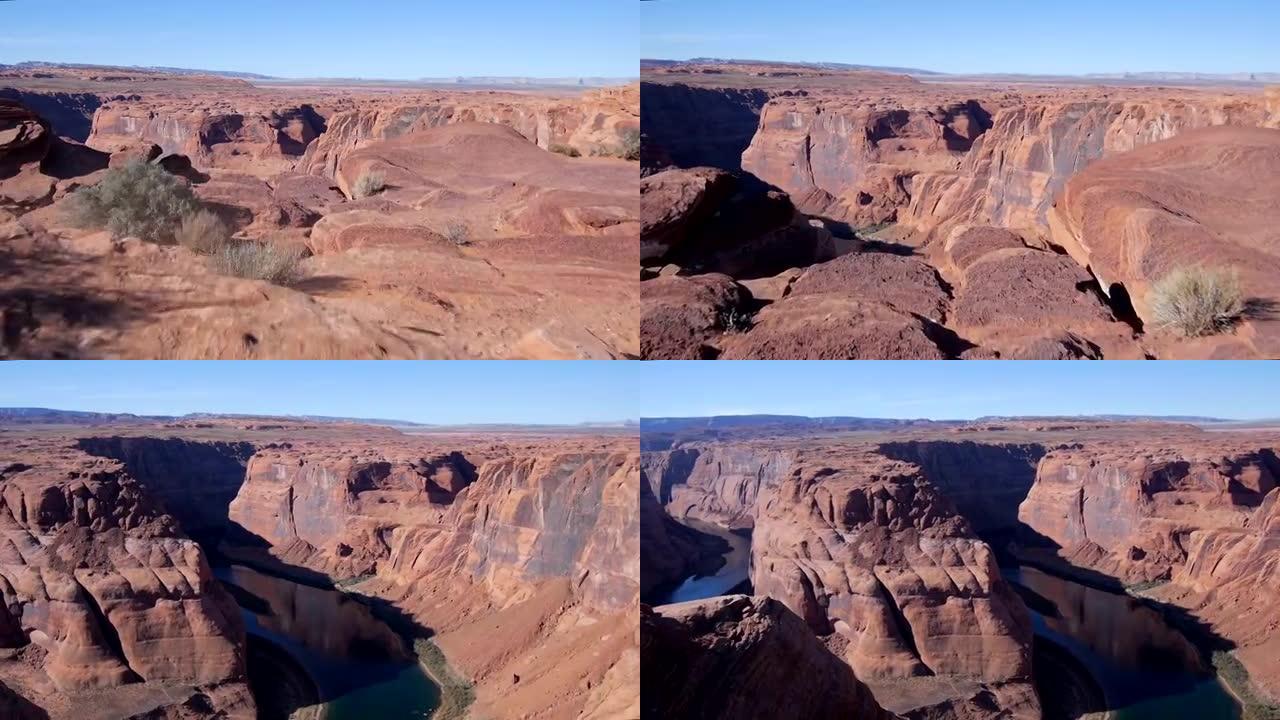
(360, 667)
(1130, 662)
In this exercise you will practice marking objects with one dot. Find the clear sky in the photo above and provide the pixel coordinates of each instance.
(962, 390)
(454, 392)
(1024, 36)
(385, 39)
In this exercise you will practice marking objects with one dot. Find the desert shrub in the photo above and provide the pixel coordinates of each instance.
(204, 232)
(268, 261)
(1234, 674)
(631, 144)
(458, 233)
(138, 200)
(734, 321)
(369, 184)
(1197, 301)
(456, 693)
(568, 150)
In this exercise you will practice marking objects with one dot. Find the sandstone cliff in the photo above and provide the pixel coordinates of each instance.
(509, 557)
(103, 595)
(1196, 522)
(743, 658)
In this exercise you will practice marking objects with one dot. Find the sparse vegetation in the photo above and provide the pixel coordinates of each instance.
(567, 150)
(628, 147)
(1233, 673)
(203, 232)
(734, 321)
(268, 261)
(458, 234)
(456, 693)
(631, 144)
(138, 200)
(1197, 301)
(1141, 587)
(369, 184)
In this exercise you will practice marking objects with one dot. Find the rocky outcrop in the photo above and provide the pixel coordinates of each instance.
(101, 590)
(1203, 198)
(739, 657)
(594, 124)
(870, 551)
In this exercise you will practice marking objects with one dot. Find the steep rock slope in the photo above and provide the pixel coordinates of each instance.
(517, 559)
(868, 552)
(743, 658)
(1196, 520)
(104, 597)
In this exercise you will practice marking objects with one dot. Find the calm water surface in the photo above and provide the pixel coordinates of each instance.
(362, 668)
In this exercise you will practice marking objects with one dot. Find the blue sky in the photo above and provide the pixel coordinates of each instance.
(963, 390)
(570, 392)
(431, 392)
(390, 39)
(1027, 36)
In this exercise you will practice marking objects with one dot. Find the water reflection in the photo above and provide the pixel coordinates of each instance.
(1145, 667)
(361, 667)
(735, 571)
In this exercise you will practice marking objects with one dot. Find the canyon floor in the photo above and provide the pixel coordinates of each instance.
(791, 212)
(240, 568)
(483, 242)
(994, 569)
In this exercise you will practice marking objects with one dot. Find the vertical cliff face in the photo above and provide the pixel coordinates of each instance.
(101, 589)
(986, 482)
(195, 481)
(1013, 173)
(689, 126)
(720, 484)
(520, 561)
(856, 162)
(1200, 523)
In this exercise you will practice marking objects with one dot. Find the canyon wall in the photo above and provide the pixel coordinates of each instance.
(509, 557)
(986, 482)
(690, 126)
(1196, 524)
(104, 596)
(194, 481)
(719, 484)
(867, 549)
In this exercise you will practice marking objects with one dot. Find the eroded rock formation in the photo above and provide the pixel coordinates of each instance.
(104, 597)
(743, 657)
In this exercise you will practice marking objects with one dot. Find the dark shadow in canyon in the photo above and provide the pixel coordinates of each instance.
(689, 126)
(15, 707)
(195, 482)
(68, 114)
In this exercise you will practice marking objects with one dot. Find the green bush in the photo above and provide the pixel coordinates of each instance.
(259, 261)
(1236, 677)
(1197, 301)
(369, 184)
(203, 232)
(138, 200)
(456, 693)
(568, 150)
